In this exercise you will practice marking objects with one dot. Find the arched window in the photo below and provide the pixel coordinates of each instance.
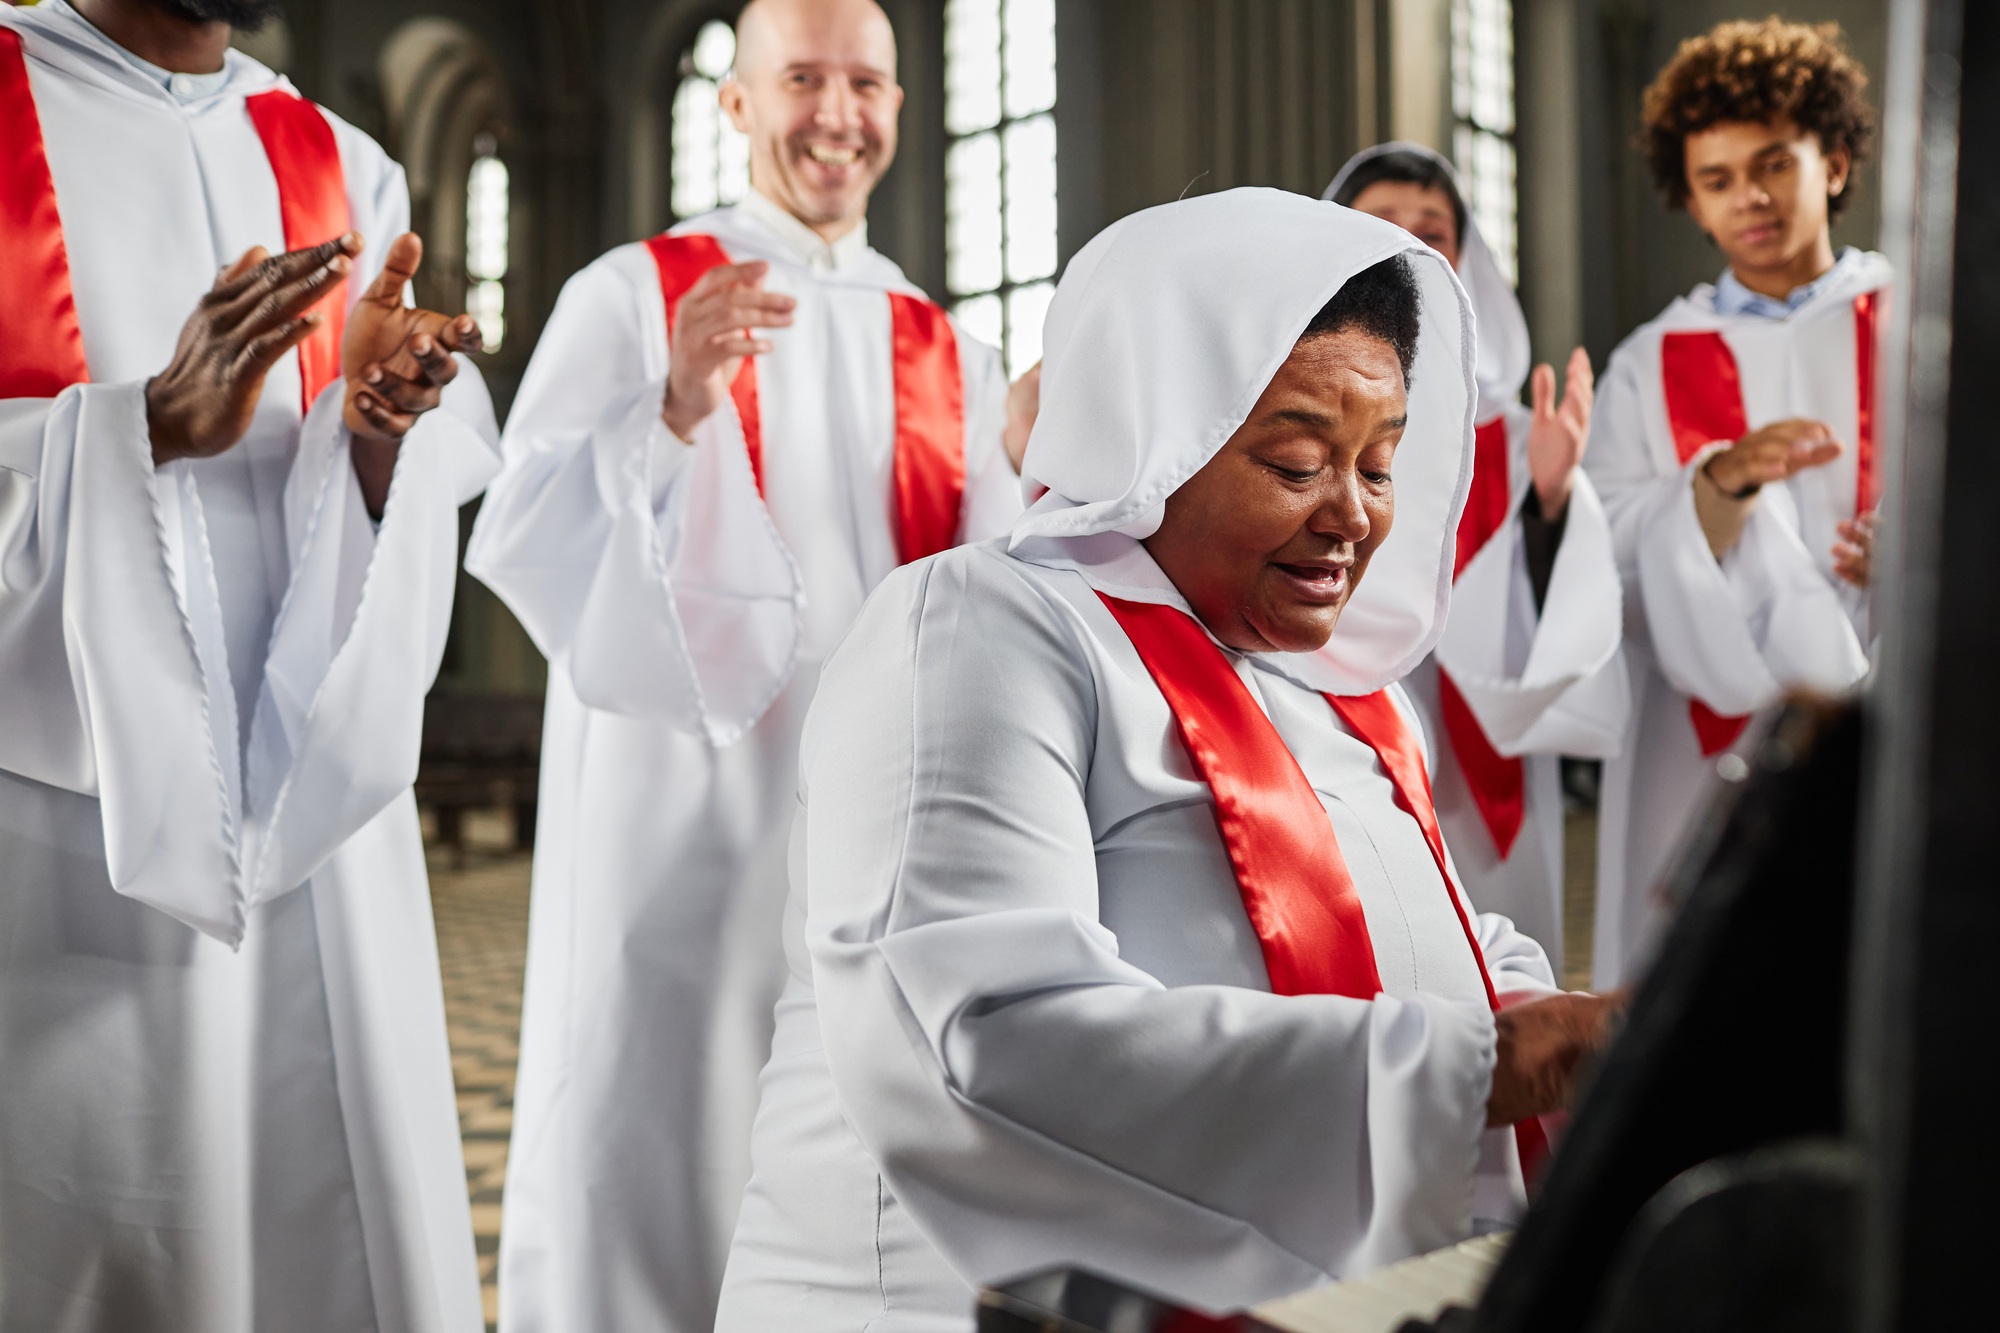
(1482, 108)
(711, 159)
(1000, 170)
(486, 209)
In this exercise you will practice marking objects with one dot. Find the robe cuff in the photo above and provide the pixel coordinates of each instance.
(694, 614)
(147, 695)
(1736, 633)
(1571, 695)
(1430, 1075)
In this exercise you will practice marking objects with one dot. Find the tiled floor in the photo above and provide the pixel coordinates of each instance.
(482, 920)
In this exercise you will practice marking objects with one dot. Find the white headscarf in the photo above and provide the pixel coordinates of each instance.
(1504, 354)
(1165, 330)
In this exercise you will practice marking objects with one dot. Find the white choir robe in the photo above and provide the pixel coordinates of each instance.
(1028, 1022)
(1542, 684)
(684, 626)
(1735, 633)
(225, 1090)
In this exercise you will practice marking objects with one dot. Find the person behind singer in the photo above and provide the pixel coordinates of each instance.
(1734, 443)
(1529, 666)
(1122, 934)
(728, 435)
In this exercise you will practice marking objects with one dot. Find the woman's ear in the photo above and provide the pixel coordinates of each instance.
(1839, 164)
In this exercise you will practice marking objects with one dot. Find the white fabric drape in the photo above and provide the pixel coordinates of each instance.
(1542, 684)
(226, 1101)
(1027, 1021)
(1733, 633)
(685, 621)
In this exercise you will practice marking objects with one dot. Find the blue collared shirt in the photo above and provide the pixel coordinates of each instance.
(1733, 298)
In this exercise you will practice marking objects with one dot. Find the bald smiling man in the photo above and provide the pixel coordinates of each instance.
(728, 436)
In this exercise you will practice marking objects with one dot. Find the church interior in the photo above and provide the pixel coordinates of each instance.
(538, 134)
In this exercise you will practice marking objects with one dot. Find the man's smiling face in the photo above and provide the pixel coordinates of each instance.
(815, 89)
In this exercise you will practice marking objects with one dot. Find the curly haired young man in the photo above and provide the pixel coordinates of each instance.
(1734, 441)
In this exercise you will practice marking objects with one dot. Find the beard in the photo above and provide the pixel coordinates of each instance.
(244, 15)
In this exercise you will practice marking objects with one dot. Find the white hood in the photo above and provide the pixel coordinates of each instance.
(1163, 333)
(1504, 354)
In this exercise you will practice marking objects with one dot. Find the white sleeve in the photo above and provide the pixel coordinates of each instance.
(1030, 1096)
(1733, 633)
(108, 613)
(105, 693)
(648, 568)
(361, 630)
(1568, 692)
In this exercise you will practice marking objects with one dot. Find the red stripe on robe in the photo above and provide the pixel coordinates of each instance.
(312, 201)
(41, 342)
(1296, 888)
(1704, 392)
(929, 454)
(1498, 783)
(930, 428)
(682, 260)
(1866, 307)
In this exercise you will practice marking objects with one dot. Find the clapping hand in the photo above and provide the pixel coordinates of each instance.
(1557, 435)
(397, 360)
(1772, 453)
(259, 308)
(713, 332)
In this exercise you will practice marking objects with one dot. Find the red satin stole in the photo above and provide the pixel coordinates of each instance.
(41, 342)
(929, 459)
(312, 201)
(1498, 783)
(1295, 884)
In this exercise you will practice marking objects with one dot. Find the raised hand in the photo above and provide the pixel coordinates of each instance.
(1541, 1044)
(712, 335)
(259, 309)
(1557, 436)
(1024, 403)
(397, 360)
(1772, 453)
(1854, 553)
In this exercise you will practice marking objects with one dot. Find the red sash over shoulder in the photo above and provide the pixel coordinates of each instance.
(1498, 784)
(1296, 887)
(41, 342)
(929, 474)
(312, 199)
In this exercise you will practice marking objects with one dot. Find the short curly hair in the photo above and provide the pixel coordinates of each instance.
(1382, 301)
(1755, 72)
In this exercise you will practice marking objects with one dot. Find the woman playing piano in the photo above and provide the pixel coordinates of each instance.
(1122, 934)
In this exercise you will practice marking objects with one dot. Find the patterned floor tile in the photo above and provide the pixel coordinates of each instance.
(482, 926)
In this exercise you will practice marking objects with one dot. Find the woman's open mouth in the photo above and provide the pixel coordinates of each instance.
(1324, 585)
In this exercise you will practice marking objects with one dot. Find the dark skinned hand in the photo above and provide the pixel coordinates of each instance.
(1541, 1044)
(259, 309)
(398, 360)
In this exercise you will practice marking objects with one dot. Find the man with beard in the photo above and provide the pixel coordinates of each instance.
(228, 518)
(728, 436)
